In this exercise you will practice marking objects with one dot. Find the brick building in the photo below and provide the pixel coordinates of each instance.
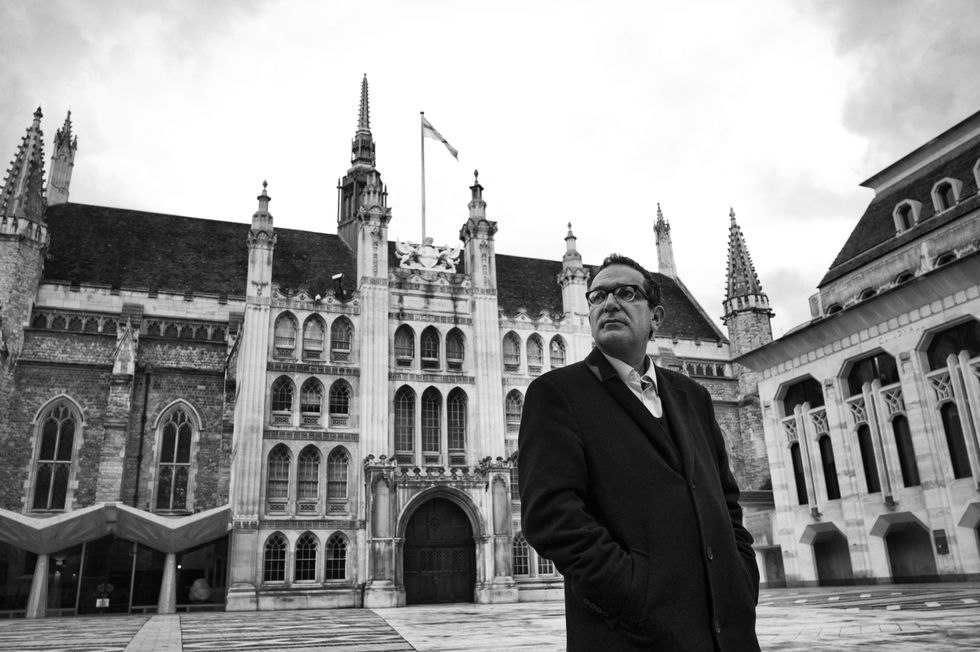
(871, 410)
(248, 417)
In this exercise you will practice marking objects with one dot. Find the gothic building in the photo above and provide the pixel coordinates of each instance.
(871, 410)
(197, 414)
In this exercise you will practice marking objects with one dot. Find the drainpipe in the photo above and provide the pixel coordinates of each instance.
(139, 453)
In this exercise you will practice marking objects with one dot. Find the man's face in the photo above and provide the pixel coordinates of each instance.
(622, 329)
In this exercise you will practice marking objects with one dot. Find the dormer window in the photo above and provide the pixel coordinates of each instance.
(945, 258)
(834, 308)
(946, 193)
(904, 277)
(906, 215)
(867, 293)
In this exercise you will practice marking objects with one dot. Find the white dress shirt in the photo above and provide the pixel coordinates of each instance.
(643, 387)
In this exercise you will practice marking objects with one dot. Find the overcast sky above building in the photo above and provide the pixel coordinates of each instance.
(581, 112)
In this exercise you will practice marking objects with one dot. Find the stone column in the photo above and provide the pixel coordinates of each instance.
(167, 604)
(37, 602)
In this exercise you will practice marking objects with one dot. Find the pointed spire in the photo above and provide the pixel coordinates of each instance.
(262, 218)
(62, 162)
(746, 307)
(362, 149)
(364, 119)
(665, 247)
(742, 279)
(22, 195)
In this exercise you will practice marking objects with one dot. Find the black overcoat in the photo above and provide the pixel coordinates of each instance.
(647, 532)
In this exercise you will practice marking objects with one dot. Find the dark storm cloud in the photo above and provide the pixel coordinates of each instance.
(914, 61)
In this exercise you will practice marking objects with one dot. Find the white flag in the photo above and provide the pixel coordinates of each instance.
(429, 131)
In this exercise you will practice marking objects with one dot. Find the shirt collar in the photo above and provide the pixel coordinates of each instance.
(624, 371)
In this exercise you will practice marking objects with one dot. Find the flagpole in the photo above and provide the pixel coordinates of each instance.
(422, 146)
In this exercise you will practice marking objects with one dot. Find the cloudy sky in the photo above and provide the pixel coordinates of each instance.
(581, 112)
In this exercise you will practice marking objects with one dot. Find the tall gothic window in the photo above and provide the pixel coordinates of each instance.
(311, 401)
(906, 452)
(868, 462)
(336, 562)
(308, 474)
(798, 475)
(829, 467)
(277, 478)
(880, 366)
(337, 468)
(54, 458)
(282, 401)
(535, 354)
(804, 391)
(514, 405)
(512, 352)
(174, 463)
(431, 420)
(305, 566)
(405, 421)
(954, 440)
(313, 338)
(545, 566)
(455, 349)
(341, 340)
(557, 352)
(404, 346)
(285, 334)
(456, 425)
(429, 345)
(339, 403)
(274, 560)
(521, 556)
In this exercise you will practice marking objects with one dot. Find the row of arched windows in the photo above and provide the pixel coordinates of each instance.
(306, 559)
(535, 351)
(312, 344)
(430, 350)
(304, 485)
(310, 406)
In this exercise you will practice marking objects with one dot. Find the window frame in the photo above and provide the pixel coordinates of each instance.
(42, 415)
(192, 421)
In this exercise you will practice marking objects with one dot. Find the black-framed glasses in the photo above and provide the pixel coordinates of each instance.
(623, 294)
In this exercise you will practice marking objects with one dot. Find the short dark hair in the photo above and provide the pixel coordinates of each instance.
(650, 286)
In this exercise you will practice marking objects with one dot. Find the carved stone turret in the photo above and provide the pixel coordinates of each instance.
(665, 248)
(361, 178)
(62, 162)
(747, 312)
(477, 236)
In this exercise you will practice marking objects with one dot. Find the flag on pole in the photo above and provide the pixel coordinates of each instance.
(429, 131)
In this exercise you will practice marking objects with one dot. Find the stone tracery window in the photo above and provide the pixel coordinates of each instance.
(535, 354)
(282, 401)
(336, 558)
(274, 559)
(405, 423)
(174, 462)
(54, 457)
(431, 421)
(513, 407)
(341, 340)
(277, 474)
(429, 346)
(557, 352)
(308, 474)
(404, 346)
(338, 463)
(455, 350)
(512, 352)
(520, 556)
(340, 394)
(313, 331)
(456, 425)
(285, 334)
(305, 563)
(311, 402)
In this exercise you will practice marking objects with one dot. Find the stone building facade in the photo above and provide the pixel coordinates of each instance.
(871, 410)
(198, 414)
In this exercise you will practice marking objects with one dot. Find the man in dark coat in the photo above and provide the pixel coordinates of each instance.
(625, 485)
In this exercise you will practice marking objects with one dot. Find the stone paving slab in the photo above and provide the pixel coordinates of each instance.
(89, 634)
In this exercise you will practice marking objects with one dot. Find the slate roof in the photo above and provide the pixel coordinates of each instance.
(135, 249)
(874, 235)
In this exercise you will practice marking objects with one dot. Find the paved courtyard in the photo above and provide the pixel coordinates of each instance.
(894, 618)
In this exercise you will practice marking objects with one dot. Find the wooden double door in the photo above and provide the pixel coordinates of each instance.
(439, 555)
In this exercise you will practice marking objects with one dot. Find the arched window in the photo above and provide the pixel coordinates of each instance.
(800, 392)
(55, 454)
(405, 423)
(339, 403)
(512, 352)
(906, 452)
(336, 568)
(313, 330)
(455, 350)
(285, 334)
(798, 475)
(277, 480)
(429, 346)
(868, 462)
(308, 475)
(404, 346)
(456, 426)
(880, 366)
(535, 354)
(514, 405)
(557, 352)
(834, 308)
(904, 218)
(545, 566)
(904, 277)
(305, 565)
(521, 556)
(945, 258)
(944, 196)
(174, 461)
(341, 339)
(431, 421)
(337, 466)
(962, 337)
(954, 439)
(311, 402)
(274, 561)
(867, 293)
(282, 401)
(829, 467)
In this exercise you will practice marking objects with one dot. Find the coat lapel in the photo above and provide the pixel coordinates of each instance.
(610, 380)
(678, 413)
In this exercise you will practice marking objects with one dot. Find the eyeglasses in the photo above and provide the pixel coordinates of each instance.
(623, 294)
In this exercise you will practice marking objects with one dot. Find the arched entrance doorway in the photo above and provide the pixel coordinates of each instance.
(833, 560)
(439, 554)
(910, 554)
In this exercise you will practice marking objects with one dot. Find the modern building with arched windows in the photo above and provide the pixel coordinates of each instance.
(872, 409)
(198, 414)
